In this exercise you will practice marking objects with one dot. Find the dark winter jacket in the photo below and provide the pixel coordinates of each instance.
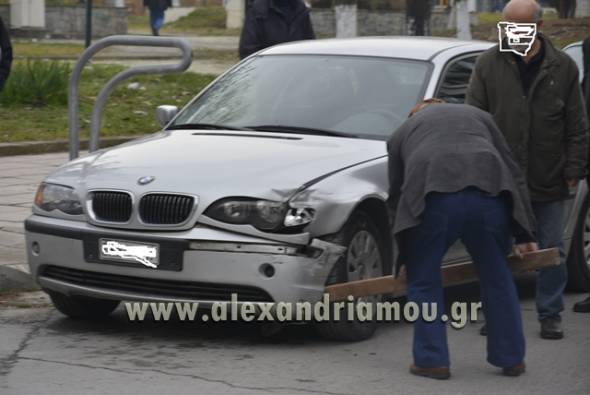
(271, 22)
(546, 128)
(5, 54)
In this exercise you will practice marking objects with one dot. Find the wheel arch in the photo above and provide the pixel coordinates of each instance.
(377, 210)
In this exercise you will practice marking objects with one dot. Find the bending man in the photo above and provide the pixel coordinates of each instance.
(452, 178)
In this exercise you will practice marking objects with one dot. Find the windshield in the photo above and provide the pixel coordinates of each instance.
(362, 96)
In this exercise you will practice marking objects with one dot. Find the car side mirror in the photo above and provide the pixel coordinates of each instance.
(164, 114)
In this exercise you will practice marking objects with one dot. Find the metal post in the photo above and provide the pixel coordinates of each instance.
(88, 22)
(73, 100)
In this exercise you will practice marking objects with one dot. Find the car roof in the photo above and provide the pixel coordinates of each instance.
(419, 48)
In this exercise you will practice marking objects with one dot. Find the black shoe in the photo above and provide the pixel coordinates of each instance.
(583, 306)
(551, 329)
(514, 371)
(483, 330)
(440, 373)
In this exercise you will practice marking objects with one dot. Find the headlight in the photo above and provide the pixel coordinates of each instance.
(51, 197)
(262, 214)
(299, 216)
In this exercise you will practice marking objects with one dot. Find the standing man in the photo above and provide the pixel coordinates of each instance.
(537, 103)
(440, 162)
(157, 11)
(5, 54)
(271, 22)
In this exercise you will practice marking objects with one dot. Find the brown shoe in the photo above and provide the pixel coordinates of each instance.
(440, 373)
(514, 371)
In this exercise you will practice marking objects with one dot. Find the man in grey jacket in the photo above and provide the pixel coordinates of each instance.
(537, 103)
(452, 177)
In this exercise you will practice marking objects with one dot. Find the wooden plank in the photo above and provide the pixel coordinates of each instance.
(453, 274)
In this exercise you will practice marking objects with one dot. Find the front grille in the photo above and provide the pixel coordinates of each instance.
(111, 206)
(155, 287)
(165, 209)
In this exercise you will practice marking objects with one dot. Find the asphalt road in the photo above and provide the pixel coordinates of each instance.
(42, 352)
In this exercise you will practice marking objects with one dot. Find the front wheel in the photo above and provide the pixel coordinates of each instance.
(578, 263)
(80, 307)
(364, 258)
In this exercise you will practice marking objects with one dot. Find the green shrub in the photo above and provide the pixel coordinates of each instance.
(36, 83)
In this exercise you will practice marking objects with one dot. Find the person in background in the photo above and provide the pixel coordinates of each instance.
(271, 22)
(157, 12)
(5, 54)
(452, 177)
(584, 305)
(537, 103)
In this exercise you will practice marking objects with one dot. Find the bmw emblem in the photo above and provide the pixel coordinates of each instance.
(146, 180)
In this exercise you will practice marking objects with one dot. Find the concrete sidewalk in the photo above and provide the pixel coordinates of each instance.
(19, 178)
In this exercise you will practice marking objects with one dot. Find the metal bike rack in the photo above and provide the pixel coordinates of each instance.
(101, 99)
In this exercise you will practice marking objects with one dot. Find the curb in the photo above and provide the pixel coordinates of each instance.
(16, 278)
(45, 147)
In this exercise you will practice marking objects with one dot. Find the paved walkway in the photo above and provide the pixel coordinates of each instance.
(218, 43)
(19, 178)
(202, 64)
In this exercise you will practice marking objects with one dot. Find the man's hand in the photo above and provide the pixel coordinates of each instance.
(519, 249)
(571, 183)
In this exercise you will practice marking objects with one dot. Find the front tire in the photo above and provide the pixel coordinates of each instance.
(364, 258)
(578, 262)
(80, 307)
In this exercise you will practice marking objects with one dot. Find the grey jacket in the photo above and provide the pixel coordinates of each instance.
(446, 148)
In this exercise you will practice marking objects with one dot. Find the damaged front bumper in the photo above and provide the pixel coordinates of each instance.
(215, 263)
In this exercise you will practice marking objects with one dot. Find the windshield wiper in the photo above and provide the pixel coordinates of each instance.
(299, 129)
(208, 126)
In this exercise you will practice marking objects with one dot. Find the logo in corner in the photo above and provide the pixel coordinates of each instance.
(516, 37)
(146, 180)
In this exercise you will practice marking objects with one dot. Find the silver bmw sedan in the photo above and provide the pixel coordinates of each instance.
(270, 184)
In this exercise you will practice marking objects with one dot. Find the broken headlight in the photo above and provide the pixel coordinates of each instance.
(264, 215)
(52, 197)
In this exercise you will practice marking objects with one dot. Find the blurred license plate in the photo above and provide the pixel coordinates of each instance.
(146, 254)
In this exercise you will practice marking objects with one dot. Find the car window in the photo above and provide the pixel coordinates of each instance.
(575, 51)
(365, 96)
(455, 79)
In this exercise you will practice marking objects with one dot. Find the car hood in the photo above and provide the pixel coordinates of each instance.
(217, 164)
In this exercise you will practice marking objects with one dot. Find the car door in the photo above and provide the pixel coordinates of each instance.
(575, 51)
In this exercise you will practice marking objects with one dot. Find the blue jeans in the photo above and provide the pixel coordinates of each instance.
(482, 222)
(156, 17)
(551, 282)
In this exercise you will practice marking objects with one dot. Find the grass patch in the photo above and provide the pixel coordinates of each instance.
(128, 112)
(29, 49)
(138, 23)
(45, 50)
(561, 32)
(219, 55)
(204, 21)
(485, 18)
(36, 83)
